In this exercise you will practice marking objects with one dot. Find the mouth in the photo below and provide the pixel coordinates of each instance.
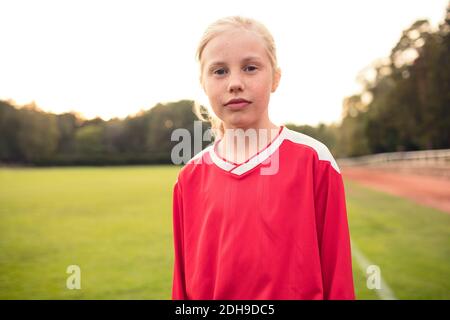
(237, 103)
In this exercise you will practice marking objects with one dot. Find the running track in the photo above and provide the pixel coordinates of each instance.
(426, 190)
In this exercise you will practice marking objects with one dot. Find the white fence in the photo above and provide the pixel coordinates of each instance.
(441, 156)
(426, 162)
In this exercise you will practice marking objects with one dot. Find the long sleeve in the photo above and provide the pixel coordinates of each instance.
(179, 284)
(333, 232)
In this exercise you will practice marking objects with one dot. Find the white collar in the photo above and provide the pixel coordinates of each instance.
(240, 169)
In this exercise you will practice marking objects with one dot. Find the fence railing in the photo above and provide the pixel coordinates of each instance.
(422, 157)
(435, 163)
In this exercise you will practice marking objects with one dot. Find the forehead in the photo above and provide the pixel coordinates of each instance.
(232, 46)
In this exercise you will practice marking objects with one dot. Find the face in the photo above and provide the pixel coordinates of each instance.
(235, 65)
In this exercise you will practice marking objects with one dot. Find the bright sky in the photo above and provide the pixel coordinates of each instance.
(113, 58)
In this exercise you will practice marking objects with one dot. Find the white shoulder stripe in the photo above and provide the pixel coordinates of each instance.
(321, 149)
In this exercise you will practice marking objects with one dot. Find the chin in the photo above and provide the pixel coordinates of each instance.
(239, 122)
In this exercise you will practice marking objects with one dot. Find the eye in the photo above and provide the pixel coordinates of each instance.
(219, 72)
(251, 68)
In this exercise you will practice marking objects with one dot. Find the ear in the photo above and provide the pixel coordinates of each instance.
(276, 79)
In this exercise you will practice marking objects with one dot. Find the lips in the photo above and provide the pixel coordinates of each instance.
(236, 102)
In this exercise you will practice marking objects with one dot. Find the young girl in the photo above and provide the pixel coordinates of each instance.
(266, 220)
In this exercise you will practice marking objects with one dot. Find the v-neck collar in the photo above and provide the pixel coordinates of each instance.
(244, 167)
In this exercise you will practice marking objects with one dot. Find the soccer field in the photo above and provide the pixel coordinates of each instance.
(115, 224)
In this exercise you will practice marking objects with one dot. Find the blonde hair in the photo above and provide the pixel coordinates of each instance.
(216, 28)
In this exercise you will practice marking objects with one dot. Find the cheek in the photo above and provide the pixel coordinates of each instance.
(215, 94)
(263, 84)
(210, 88)
(214, 97)
(263, 89)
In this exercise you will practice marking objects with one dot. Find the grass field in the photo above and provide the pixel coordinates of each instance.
(115, 223)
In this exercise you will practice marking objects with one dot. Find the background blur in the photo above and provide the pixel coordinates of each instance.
(90, 93)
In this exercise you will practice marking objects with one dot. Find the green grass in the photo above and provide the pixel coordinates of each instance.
(409, 242)
(115, 223)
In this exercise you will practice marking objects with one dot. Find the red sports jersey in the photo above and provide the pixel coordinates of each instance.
(240, 233)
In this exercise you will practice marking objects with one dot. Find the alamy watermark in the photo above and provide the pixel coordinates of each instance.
(250, 146)
(74, 280)
(373, 277)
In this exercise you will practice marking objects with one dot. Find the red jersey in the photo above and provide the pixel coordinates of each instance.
(240, 233)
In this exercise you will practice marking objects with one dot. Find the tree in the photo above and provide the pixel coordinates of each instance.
(405, 97)
(89, 140)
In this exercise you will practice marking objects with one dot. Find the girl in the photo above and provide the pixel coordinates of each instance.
(264, 218)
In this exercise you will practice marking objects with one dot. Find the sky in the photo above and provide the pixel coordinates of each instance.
(115, 58)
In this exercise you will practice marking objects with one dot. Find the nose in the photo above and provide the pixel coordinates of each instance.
(235, 83)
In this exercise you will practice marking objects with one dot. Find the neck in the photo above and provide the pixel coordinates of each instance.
(239, 144)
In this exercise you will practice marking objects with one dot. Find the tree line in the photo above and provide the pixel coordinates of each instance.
(404, 104)
(405, 101)
(30, 136)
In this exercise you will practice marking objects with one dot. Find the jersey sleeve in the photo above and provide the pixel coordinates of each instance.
(179, 284)
(333, 232)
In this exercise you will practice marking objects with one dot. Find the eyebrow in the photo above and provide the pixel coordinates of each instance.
(246, 59)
